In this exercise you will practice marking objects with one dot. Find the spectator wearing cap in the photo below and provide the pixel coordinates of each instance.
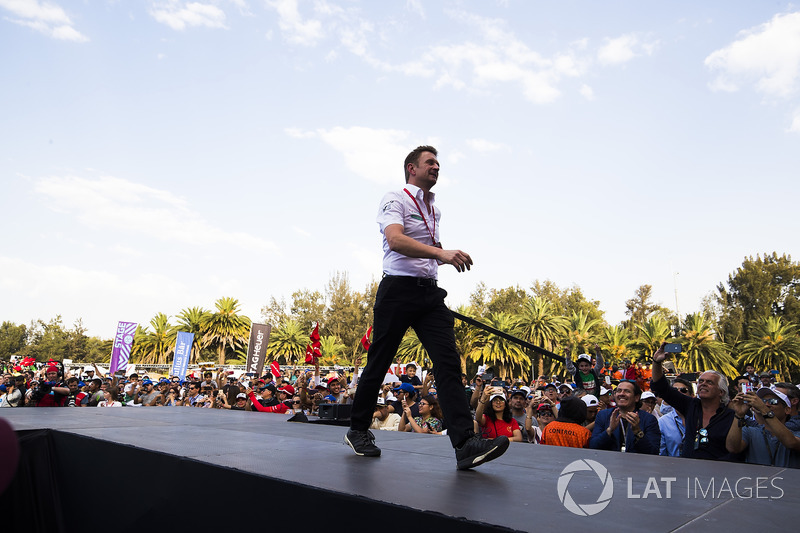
(239, 404)
(382, 419)
(537, 416)
(671, 423)
(51, 393)
(149, 396)
(429, 419)
(770, 443)
(404, 392)
(649, 402)
(517, 402)
(766, 379)
(605, 400)
(493, 416)
(567, 429)
(627, 428)
(793, 393)
(564, 390)
(586, 376)
(337, 391)
(269, 403)
(592, 406)
(551, 393)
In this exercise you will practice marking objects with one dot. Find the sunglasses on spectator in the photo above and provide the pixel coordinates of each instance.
(545, 413)
(772, 401)
(682, 389)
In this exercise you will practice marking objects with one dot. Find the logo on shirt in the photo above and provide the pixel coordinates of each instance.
(416, 217)
(387, 205)
(585, 509)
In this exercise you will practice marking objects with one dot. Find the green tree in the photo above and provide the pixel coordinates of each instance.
(580, 335)
(539, 324)
(332, 350)
(153, 347)
(567, 301)
(773, 344)
(701, 350)
(652, 333)
(12, 339)
(468, 337)
(510, 300)
(47, 340)
(349, 313)
(617, 343)
(225, 330)
(768, 286)
(506, 356)
(287, 342)
(640, 307)
(191, 320)
(411, 350)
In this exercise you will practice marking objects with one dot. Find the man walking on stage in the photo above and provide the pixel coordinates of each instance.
(408, 296)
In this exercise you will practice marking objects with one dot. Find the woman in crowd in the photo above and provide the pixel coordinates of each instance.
(111, 395)
(544, 414)
(496, 420)
(429, 419)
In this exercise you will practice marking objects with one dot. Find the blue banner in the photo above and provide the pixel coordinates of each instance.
(183, 351)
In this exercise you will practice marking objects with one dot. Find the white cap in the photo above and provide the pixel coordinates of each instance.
(590, 400)
(647, 394)
(585, 357)
(604, 390)
(497, 395)
(763, 391)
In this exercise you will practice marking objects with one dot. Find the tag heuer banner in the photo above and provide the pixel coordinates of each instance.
(257, 347)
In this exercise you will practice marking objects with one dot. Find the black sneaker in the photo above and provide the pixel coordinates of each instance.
(476, 450)
(363, 443)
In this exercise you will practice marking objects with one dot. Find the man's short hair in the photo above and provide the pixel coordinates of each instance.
(71, 380)
(685, 382)
(411, 365)
(413, 158)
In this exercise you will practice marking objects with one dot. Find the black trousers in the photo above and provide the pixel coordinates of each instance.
(401, 303)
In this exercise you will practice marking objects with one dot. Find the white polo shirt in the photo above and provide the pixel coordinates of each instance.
(398, 208)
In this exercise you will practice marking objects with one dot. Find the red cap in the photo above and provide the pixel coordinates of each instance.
(287, 388)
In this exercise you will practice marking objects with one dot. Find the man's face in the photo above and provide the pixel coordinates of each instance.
(51, 376)
(584, 366)
(765, 381)
(684, 389)
(749, 369)
(775, 405)
(517, 401)
(787, 392)
(73, 386)
(551, 393)
(425, 173)
(411, 371)
(383, 411)
(565, 392)
(708, 386)
(7, 379)
(625, 396)
(335, 387)
(193, 390)
(591, 413)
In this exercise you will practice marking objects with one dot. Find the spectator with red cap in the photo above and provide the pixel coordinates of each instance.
(269, 403)
(51, 393)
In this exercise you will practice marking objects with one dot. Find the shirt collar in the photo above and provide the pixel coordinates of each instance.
(418, 193)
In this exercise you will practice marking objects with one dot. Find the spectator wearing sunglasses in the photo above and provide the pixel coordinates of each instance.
(771, 443)
(537, 416)
(706, 416)
(672, 424)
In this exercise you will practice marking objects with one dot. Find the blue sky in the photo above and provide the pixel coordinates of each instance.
(160, 155)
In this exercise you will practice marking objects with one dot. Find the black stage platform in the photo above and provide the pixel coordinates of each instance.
(169, 467)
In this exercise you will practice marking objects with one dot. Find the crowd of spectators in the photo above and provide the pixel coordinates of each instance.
(750, 418)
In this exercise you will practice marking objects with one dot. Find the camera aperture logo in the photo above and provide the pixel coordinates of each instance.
(585, 509)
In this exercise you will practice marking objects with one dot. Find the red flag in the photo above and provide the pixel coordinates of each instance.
(275, 368)
(365, 339)
(315, 334)
(309, 354)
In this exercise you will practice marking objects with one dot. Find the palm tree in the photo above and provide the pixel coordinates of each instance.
(154, 347)
(411, 350)
(652, 333)
(773, 345)
(701, 350)
(225, 328)
(191, 321)
(617, 342)
(580, 338)
(468, 337)
(332, 349)
(508, 357)
(288, 342)
(539, 324)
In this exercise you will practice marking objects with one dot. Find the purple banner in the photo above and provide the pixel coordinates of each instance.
(123, 341)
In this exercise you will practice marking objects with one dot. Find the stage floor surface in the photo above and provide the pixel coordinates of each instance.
(527, 489)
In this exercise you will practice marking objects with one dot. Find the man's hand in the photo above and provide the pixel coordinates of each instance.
(738, 405)
(660, 354)
(613, 421)
(633, 420)
(461, 260)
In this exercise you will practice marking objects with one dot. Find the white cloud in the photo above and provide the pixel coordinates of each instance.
(795, 125)
(587, 92)
(121, 205)
(368, 152)
(178, 14)
(306, 32)
(624, 48)
(768, 55)
(483, 146)
(46, 17)
(415, 6)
